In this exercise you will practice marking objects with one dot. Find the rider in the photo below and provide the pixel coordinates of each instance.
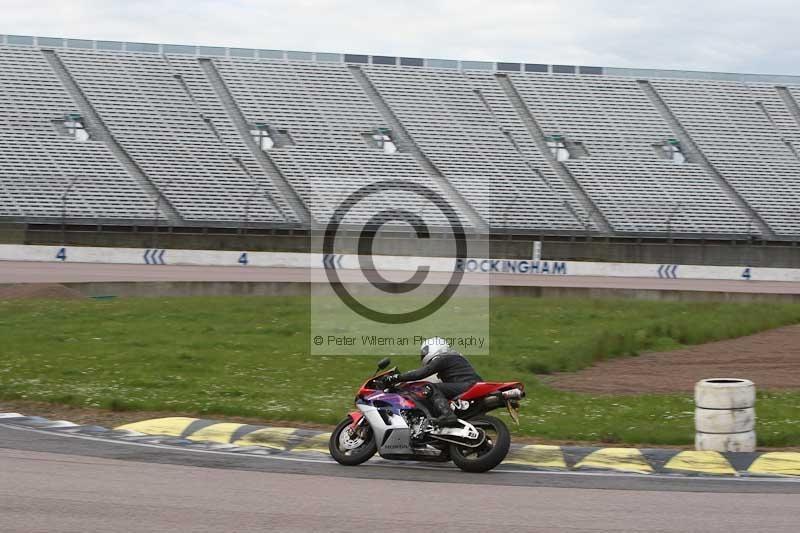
(455, 372)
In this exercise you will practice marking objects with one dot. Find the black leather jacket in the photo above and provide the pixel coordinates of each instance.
(452, 367)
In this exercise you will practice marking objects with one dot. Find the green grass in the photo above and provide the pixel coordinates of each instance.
(250, 357)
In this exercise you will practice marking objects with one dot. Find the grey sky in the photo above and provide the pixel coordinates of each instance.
(730, 35)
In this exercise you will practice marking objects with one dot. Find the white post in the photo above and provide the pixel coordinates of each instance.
(725, 415)
(537, 250)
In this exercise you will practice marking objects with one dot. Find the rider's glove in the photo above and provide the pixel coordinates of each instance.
(391, 379)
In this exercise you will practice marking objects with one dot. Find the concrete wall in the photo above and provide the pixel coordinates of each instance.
(235, 288)
(690, 252)
(133, 289)
(12, 233)
(479, 264)
(784, 255)
(186, 241)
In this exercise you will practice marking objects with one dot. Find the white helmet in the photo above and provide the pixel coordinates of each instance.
(432, 347)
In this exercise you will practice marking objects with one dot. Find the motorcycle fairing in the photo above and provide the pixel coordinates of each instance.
(411, 396)
(392, 435)
(397, 402)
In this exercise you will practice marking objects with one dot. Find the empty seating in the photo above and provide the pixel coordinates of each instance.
(154, 120)
(738, 138)
(619, 129)
(45, 174)
(178, 127)
(327, 114)
(512, 126)
(447, 120)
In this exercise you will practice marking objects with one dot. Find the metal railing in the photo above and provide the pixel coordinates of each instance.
(328, 57)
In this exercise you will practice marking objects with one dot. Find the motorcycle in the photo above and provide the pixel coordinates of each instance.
(396, 422)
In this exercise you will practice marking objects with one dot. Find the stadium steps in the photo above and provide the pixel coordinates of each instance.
(268, 166)
(208, 122)
(405, 143)
(578, 210)
(214, 131)
(694, 154)
(257, 187)
(775, 125)
(794, 110)
(595, 215)
(98, 130)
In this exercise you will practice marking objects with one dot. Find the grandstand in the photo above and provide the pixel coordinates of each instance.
(133, 134)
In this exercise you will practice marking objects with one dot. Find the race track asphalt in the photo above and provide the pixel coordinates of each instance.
(55, 482)
(58, 482)
(36, 272)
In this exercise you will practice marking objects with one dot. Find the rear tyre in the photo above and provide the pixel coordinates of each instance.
(489, 454)
(352, 447)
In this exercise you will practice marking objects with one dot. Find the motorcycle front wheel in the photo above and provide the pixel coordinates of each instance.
(351, 447)
(490, 453)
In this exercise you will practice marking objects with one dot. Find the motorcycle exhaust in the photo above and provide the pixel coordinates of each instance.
(493, 402)
(500, 399)
(513, 394)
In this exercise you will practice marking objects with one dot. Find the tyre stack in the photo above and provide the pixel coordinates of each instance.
(725, 415)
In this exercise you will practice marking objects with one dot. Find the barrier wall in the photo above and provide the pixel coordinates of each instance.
(238, 259)
(161, 289)
(619, 250)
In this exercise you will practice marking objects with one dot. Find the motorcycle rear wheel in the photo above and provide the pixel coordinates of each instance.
(349, 449)
(489, 454)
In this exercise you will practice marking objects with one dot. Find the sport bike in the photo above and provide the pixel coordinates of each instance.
(396, 422)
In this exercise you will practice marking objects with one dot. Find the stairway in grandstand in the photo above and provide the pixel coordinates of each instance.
(267, 165)
(406, 143)
(695, 154)
(97, 130)
(593, 215)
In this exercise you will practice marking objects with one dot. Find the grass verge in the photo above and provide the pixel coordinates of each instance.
(249, 357)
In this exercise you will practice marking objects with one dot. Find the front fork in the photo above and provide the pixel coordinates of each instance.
(358, 422)
(356, 417)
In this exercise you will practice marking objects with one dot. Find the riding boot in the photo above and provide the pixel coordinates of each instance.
(442, 407)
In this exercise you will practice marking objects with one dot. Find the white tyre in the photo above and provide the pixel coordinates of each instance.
(724, 420)
(725, 393)
(734, 442)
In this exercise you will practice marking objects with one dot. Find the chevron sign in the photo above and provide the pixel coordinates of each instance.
(668, 271)
(332, 261)
(154, 257)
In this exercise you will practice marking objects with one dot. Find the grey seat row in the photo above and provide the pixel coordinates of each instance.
(174, 124)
